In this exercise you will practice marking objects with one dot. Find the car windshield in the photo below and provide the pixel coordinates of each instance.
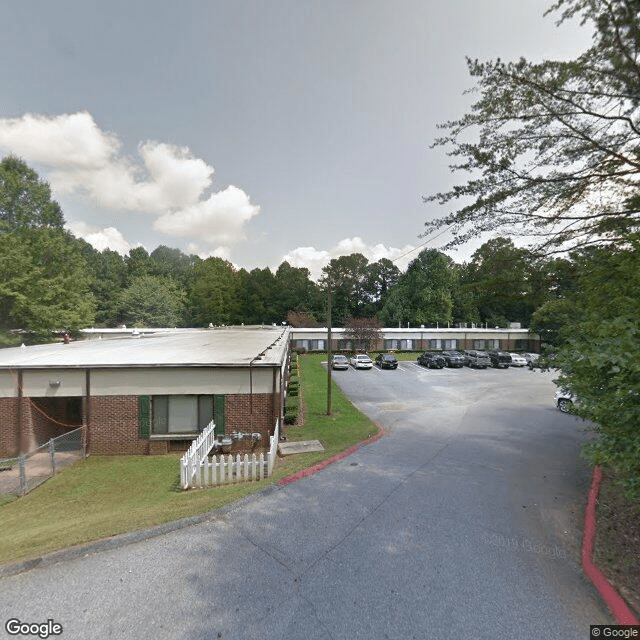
(340, 358)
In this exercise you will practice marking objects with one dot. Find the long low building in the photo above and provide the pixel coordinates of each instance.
(145, 393)
(421, 339)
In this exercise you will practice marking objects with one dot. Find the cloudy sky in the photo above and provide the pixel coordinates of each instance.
(254, 130)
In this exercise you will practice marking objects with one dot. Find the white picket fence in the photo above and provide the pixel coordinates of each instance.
(198, 470)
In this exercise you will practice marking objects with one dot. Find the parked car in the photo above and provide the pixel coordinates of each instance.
(432, 360)
(338, 361)
(387, 361)
(477, 359)
(532, 360)
(361, 361)
(499, 359)
(454, 358)
(517, 360)
(563, 400)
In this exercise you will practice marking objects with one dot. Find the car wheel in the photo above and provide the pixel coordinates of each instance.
(564, 405)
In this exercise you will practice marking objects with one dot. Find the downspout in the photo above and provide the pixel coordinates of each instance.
(20, 411)
(87, 410)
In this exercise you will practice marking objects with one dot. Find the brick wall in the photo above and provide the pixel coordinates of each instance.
(114, 427)
(9, 427)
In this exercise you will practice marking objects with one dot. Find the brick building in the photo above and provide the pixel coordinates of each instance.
(145, 393)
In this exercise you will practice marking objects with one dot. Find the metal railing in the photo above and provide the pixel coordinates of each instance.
(22, 473)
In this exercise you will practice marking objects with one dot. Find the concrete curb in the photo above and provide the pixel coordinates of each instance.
(131, 537)
(612, 598)
(305, 473)
(123, 539)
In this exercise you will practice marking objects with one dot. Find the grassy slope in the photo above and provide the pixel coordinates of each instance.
(105, 495)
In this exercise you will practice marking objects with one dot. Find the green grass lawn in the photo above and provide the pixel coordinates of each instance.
(105, 495)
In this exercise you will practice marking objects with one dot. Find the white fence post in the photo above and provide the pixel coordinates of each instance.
(197, 471)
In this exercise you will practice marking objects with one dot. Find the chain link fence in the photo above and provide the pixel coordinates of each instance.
(25, 472)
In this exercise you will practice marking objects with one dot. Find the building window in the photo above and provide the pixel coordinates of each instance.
(450, 345)
(184, 414)
(435, 343)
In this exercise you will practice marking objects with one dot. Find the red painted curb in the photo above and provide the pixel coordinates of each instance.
(305, 473)
(612, 598)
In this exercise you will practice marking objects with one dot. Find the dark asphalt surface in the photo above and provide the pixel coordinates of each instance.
(464, 521)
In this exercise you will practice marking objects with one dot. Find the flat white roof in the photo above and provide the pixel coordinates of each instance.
(226, 346)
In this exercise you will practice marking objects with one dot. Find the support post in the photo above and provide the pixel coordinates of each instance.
(328, 349)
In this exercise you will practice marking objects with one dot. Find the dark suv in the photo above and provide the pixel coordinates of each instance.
(454, 358)
(432, 360)
(477, 359)
(499, 359)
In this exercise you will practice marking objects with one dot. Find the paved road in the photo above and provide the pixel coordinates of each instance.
(463, 522)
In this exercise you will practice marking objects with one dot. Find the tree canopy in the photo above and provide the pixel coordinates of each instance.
(25, 199)
(552, 147)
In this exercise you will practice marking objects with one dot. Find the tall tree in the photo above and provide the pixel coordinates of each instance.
(257, 297)
(502, 280)
(153, 301)
(346, 275)
(423, 294)
(294, 291)
(599, 359)
(25, 199)
(214, 294)
(553, 147)
(45, 282)
(379, 278)
(45, 285)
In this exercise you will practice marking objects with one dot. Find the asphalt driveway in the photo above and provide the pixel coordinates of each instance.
(465, 520)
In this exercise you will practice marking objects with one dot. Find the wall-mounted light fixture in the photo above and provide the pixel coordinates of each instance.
(54, 383)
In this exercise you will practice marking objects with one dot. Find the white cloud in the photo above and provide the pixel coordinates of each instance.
(315, 259)
(101, 239)
(65, 141)
(219, 252)
(166, 180)
(220, 218)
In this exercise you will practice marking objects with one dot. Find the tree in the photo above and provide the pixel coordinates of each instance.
(363, 332)
(257, 296)
(152, 301)
(25, 199)
(45, 285)
(503, 282)
(214, 294)
(553, 147)
(346, 276)
(108, 274)
(172, 263)
(294, 291)
(423, 294)
(379, 278)
(599, 359)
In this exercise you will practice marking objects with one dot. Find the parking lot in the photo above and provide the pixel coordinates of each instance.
(465, 520)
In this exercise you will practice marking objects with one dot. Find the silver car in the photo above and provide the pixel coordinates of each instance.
(339, 361)
(563, 400)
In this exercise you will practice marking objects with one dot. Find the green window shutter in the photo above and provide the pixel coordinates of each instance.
(218, 413)
(144, 417)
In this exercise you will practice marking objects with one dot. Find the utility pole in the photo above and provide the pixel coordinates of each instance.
(328, 348)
